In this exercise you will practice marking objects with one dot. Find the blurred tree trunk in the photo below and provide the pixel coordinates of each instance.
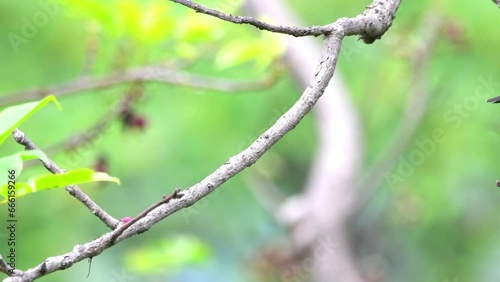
(329, 197)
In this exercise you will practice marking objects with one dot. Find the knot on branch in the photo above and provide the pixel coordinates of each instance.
(377, 19)
(373, 31)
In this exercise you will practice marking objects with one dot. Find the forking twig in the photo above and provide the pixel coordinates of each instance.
(157, 74)
(73, 190)
(118, 231)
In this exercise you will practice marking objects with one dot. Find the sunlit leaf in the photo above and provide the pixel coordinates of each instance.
(12, 117)
(49, 181)
(76, 176)
(14, 163)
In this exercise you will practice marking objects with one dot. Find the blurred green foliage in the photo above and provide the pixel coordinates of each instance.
(189, 133)
(438, 224)
(166, 255)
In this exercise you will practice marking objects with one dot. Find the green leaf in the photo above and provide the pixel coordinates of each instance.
(21, 190)
(50, 181)
(12, 117)
(77, 176)
(168, 254)
(14, 163)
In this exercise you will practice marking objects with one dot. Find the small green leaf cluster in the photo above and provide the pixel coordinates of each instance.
(11, 118)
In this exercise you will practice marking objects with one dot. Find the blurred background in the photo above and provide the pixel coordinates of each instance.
(399, 186)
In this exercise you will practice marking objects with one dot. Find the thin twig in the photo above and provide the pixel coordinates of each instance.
(73, 190)
(290, 30)
(156, 74)
(370, 25)
(121, 228)
(7, 269)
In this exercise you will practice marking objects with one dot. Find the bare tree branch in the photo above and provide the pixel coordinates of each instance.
(73, 190)
(232, 167)
(290, 30)
(374, 21)
(370, 25)
(157, 74)
(265, 191)
(7, 269)
(244, 159)
(118, 231)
